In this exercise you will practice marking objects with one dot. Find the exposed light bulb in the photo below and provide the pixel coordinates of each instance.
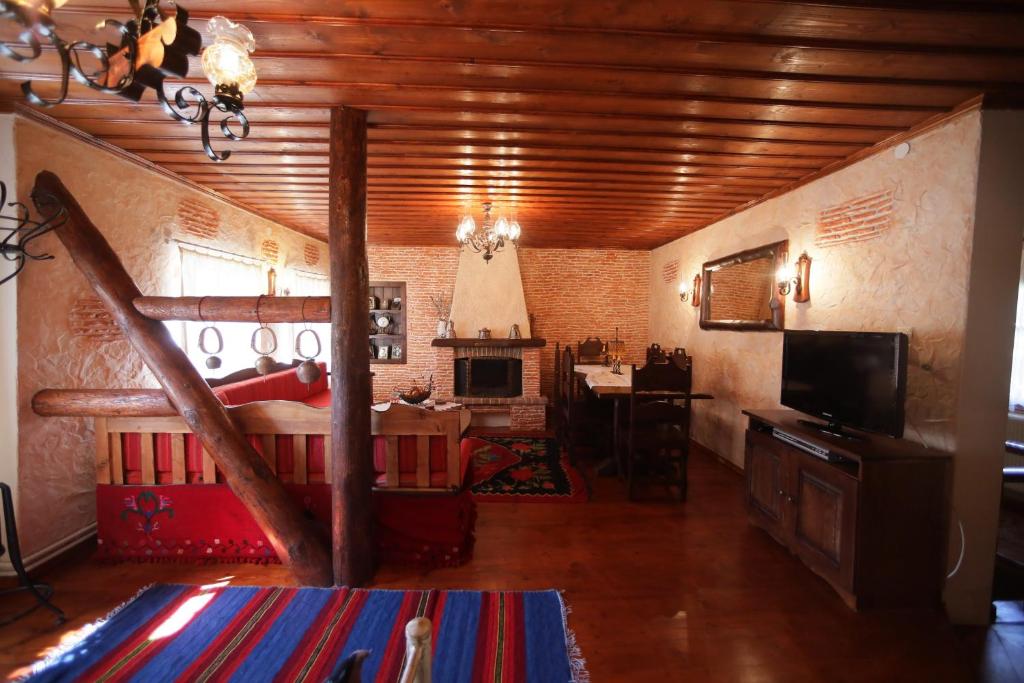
(501, 227)
(467, 226)
(226, 62)
(786, 273)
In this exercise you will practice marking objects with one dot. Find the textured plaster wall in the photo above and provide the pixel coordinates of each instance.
(910, 278)
(138, 212)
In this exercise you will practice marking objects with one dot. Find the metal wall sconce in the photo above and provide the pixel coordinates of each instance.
(796, 279)
(693, 295)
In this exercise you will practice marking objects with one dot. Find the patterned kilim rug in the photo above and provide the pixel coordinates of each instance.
(523, 470)
(217, 633)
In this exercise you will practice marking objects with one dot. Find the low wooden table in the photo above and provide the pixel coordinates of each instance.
(604, 384)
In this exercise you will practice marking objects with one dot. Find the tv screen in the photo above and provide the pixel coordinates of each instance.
(857, 379)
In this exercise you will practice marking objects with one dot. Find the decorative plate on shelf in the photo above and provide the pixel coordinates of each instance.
(383, 320)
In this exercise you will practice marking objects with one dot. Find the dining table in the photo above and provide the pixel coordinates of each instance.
(605, 384)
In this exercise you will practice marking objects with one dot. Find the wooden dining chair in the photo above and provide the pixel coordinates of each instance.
(572, 418)
(657, 435)
(657, 443)
(593, 350)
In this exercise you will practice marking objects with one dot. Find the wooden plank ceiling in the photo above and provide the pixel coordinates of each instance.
(611, 124)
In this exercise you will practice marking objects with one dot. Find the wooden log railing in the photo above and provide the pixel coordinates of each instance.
(272, 309)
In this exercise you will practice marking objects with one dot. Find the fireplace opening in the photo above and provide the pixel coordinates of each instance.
(489, 377)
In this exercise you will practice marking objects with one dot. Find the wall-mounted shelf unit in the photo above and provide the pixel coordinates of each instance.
(388, 300)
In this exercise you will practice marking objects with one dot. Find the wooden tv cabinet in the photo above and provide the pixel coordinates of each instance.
(874, 525)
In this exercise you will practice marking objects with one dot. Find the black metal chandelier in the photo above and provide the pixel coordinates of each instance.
(153, 45)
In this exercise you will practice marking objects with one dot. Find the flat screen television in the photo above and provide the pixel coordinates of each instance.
(853, 379)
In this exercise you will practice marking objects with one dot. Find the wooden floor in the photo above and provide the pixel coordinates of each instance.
(658, 591)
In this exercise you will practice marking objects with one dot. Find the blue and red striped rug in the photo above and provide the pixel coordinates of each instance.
(222, 633)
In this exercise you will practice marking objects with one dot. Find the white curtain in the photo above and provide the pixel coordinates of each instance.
(210, 273)
(301, 283)
(1017, 376)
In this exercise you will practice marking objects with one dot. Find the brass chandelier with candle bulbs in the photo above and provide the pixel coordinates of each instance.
(492, 237)
(154, 44)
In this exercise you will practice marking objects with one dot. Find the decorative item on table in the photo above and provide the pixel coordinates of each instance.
(308, 371)
(383, 351)
(615, 348)
(514, 332)
(263, 342)
(373, 302)
(449, 329)
(442, 304)
(483, 333)
(396, 351)
(416, 394)
(396, 304)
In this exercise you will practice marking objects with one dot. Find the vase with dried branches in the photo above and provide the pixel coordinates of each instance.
(442, 304)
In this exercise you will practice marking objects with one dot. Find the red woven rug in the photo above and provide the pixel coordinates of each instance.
(523, 470)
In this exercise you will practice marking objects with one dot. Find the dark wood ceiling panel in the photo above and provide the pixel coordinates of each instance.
(620, 124)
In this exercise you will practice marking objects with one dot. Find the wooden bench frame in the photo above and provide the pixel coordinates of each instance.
(269, 419)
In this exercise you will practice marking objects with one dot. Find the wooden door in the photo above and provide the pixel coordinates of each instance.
(765, 471)
(822, 501)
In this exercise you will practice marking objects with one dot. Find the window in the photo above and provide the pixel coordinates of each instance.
(1017, 374)
(301, 283)
(206, 272)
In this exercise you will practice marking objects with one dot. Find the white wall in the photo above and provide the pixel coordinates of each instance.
(945, 272)
(987, 359)
(8, 337)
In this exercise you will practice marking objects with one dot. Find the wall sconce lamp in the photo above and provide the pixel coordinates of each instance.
(693, 295)
(796, 279)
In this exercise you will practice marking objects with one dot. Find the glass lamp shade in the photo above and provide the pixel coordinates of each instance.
(514, 230)
(786, 273)
(226, 62)
(467, 226)
(501, 227)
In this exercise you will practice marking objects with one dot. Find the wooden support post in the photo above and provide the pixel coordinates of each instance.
(280, 518)
(352, 476)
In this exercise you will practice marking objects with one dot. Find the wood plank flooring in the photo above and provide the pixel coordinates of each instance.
(658, 591)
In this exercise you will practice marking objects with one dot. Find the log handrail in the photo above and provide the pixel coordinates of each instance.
(241, 309)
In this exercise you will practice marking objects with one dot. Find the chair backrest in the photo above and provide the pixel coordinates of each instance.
(668, 376)
(655, 354)
(556, 391)
(592, 350)
(658, 424)
(567, 379)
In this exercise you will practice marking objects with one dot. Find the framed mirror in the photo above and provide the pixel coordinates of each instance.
(739, 292)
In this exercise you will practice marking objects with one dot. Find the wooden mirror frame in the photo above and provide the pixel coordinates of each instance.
(778, 252)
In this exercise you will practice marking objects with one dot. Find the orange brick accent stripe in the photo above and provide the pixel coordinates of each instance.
(197, 219)
(89, 318)
(857, 220)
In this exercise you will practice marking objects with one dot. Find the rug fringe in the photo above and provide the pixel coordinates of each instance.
(80, 634)
(577, 663)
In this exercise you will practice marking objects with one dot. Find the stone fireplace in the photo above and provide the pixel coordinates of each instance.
(497, 378)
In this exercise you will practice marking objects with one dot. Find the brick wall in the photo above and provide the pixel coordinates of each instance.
(576, 293)
(572, 293)
(425, 271)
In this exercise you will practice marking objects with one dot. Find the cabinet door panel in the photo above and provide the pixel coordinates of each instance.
(824, 509)
(764, 473)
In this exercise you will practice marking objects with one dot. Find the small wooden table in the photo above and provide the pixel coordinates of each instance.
(606, 385)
